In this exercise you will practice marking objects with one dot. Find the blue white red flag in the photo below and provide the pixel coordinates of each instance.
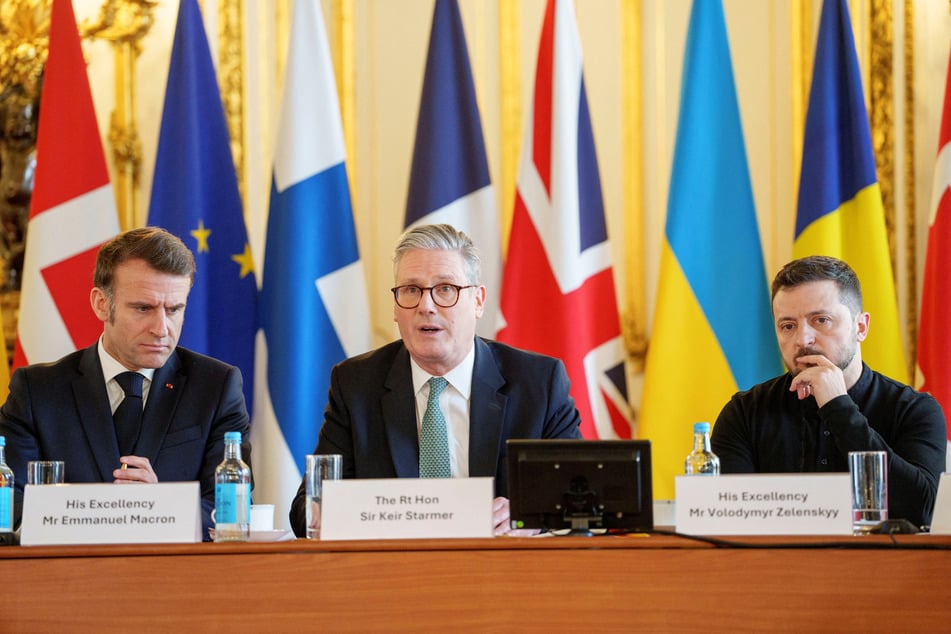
(449, 181)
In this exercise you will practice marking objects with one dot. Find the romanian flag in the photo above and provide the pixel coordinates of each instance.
(840, 211)
(713, 330)
(934, 338)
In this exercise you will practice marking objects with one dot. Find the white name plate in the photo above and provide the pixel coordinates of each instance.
(407, 508)
(103, 513)
(764, 504)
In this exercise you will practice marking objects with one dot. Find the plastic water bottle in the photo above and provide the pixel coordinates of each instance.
(702, 461)
(232, 494)
(6, 490)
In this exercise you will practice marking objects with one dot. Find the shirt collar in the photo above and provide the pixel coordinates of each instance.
(111, 367)
(460, 377)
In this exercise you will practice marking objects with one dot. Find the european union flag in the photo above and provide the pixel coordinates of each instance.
(195, 196)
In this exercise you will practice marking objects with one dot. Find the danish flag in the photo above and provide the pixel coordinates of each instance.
(72, 209)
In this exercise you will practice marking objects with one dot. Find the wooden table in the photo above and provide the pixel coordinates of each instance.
(655, 583)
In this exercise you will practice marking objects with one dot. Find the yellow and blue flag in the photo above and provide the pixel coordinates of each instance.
(840, 210)
(712, 330)
(195, 196)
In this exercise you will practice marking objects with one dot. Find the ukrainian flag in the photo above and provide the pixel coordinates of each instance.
(840, 209)
(712, 332)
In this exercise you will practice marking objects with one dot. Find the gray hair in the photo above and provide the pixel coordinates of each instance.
(443, 238)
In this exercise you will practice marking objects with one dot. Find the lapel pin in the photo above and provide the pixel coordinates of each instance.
(169, 386)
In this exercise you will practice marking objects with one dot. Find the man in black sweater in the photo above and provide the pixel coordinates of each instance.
(829, 402)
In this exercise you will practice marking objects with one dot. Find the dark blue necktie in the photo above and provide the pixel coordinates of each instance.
(128, 416)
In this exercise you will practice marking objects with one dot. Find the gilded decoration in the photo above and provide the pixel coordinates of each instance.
(882, 114)
(634, 314)
(231, 70)
(124, 23)
(24, 46)
(911, 325)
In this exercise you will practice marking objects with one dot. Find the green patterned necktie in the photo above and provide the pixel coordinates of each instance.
(433, 439)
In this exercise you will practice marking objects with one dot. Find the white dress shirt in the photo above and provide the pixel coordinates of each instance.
(111, 368)
(454, 403)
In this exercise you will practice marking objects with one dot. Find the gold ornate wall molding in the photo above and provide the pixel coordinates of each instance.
(634, 310)
(911, 279)
(124, 23)
(231, 78)
(24, 43)
(343, 52)
(802, 37)
(882, 111)
(510, 108)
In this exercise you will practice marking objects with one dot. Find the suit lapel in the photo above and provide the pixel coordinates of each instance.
(486, 413)
(95, 415)
(399, 417)
(168, 384)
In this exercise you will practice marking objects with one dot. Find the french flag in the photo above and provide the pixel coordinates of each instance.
(313, 298)
(449, 181)
(558, 294)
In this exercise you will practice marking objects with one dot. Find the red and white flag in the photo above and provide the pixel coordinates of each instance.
(558, 294)
(72, 210)
(934, 337)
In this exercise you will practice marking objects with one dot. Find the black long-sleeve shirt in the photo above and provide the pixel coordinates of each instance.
(767, 429)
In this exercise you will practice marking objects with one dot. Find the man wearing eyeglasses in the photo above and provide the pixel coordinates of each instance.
(380, 416)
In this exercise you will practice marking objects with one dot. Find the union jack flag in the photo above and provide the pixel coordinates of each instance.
(558, 294)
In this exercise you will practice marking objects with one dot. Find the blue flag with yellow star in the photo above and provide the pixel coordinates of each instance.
(195, 196)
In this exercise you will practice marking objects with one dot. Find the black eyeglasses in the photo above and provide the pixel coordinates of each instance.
(444, 295)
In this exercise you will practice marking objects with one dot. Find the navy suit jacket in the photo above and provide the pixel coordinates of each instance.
(371, 413)
(60, 411)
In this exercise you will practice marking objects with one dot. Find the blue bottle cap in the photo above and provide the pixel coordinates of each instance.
(701, 428)
(234, 436)
(3, 441)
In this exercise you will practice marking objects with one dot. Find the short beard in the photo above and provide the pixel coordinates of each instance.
(842, 364)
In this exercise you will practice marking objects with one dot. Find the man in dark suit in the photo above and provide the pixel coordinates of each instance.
(376, 417)
(64, 410)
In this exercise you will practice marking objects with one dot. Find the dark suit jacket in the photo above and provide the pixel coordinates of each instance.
(60, 411)
(371, 414)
